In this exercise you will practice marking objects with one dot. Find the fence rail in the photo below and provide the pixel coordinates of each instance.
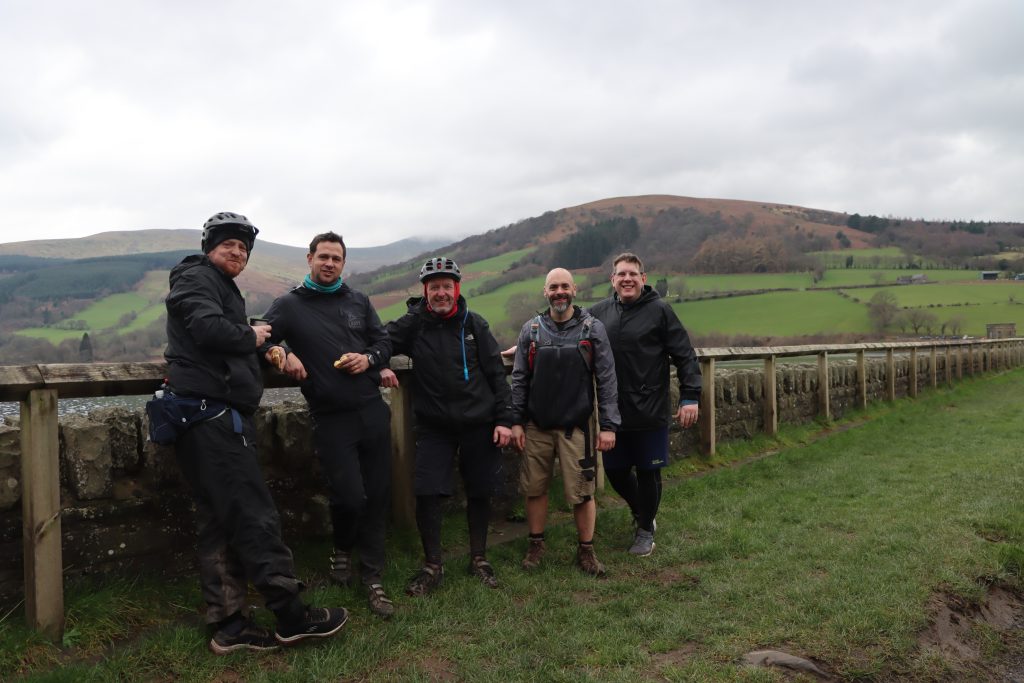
(38, 387)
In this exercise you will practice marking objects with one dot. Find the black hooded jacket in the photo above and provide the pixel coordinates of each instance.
(453, 390)
(319, 327)
(211, 350)
(644, 336)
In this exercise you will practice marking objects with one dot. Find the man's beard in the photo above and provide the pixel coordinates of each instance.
(561, 305)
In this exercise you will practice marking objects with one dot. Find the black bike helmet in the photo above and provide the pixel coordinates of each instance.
(440, 266)
(227, 225)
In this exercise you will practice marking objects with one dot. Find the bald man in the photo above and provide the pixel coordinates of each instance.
(557, 358)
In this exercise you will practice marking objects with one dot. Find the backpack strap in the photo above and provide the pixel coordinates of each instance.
(586, 348)
(534, 337)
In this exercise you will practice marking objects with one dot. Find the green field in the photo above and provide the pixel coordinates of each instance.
(779, 314)
(774, 314)
(145, 301)
(832, 278)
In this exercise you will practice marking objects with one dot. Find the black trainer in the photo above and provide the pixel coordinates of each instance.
(248, 636)
(317, 622)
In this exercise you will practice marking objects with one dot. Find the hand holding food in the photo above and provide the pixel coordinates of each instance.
(276, 357)
(341, 361)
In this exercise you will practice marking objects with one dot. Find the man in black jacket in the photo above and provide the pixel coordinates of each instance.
(336, 346)
(211, 356)
(645, 334)
(462, 405)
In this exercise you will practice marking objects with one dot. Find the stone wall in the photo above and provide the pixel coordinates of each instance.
(125, 506)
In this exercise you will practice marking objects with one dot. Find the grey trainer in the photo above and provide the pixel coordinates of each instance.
(643, 543)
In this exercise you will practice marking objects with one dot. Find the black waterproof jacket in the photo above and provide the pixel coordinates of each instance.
(211, 350)
(460, 377)
(644, 336)
(319, 328)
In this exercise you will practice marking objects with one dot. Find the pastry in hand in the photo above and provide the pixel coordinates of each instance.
(277, 357)
(341, 361)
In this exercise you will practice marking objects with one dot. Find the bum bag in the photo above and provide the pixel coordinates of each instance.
(171, 415)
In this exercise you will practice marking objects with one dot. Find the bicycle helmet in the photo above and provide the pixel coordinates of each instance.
(439, 266)
(226, 225)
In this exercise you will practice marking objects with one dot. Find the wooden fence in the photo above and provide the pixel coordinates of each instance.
(38, 388)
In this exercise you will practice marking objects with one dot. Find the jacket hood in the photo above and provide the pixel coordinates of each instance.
(188, 263)
(647, 294)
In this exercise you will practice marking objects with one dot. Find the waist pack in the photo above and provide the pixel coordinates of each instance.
(170, 415)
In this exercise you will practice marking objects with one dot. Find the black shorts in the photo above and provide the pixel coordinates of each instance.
(647, 450)
(479, 461)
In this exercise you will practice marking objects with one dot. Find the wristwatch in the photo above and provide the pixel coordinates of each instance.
(370, 359)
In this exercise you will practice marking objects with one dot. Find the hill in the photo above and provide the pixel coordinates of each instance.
(732, 268)
(268, 257)
(693, 235)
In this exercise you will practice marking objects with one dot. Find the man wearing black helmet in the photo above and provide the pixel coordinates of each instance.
(211, 355)
(335, 348)
(463, 407)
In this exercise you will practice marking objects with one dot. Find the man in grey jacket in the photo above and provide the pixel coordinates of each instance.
(557, 358)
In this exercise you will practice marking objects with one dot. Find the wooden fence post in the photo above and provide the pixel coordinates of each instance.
(949, 366)
(771, 401)
(40, 505)
(912, 387)
(707, 406)
(403, 454)
(890, 376)
(823, 382)
(862, 380)
(934, 371)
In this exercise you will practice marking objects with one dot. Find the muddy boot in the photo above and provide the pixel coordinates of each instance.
(534, 553)
(587, 560)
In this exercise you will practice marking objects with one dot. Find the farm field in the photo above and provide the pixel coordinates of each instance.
(774, 314)
(832, 278)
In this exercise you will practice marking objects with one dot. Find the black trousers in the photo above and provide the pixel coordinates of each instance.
(238, 525)
(354, 448)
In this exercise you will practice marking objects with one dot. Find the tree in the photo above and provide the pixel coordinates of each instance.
(877, 277)
(85, 349)
(919, 319)
(956, 325)
(883, 310)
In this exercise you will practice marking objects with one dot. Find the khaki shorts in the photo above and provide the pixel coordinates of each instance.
(578, 464)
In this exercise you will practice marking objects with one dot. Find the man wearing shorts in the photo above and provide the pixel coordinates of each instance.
(557, 358)
(463, 412)
(645, 334)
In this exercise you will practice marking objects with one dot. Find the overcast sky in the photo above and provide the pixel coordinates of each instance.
(385, 120)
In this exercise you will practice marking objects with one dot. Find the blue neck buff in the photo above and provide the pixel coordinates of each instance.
(316, 287)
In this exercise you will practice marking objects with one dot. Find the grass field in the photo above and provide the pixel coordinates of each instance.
(774, 314)
(837, 550)
(800, 313)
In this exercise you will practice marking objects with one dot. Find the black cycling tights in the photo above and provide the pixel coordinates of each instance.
(641, 489)
(428, 521)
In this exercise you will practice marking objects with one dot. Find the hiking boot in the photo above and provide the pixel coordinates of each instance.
(341, 568)
(426, 580)
(482, 569)
(380, 604)
(643, 543)
(247, 635)
(316, 622)
(587, 561)
(534, 554)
